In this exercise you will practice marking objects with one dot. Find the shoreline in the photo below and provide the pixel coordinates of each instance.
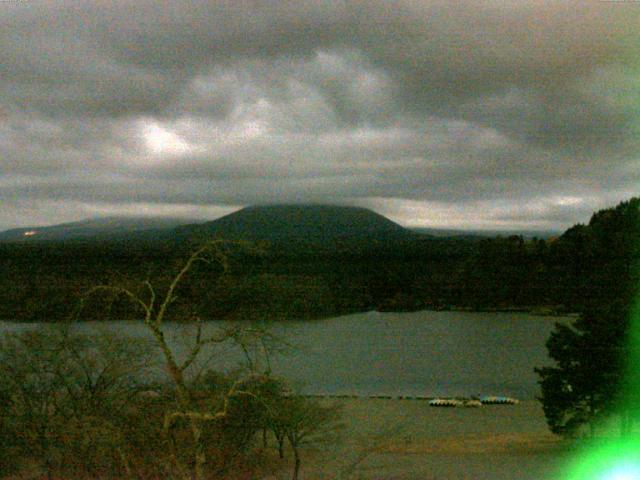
(529, 312)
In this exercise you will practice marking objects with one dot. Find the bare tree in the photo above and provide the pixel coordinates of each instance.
(306, 421)
(155, 305)
(6, 431)
(61, 384)
(102, 376)
(28, 368)
(103, 371)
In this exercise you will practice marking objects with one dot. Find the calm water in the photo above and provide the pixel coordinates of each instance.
(418, 353)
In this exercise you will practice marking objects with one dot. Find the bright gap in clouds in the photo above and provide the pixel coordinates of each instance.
(159, 140)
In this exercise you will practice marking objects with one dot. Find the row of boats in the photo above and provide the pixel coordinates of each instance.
(473, 402)
(434, 402)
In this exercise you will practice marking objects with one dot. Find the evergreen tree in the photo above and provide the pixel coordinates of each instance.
(589, 356)
(591, 353)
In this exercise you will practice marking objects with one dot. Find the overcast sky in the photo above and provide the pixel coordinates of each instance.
(455, 114)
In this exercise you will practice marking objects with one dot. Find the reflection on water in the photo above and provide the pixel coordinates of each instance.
(417, 353)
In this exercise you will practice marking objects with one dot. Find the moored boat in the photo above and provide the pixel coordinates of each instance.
(445, 402)
(498, 400)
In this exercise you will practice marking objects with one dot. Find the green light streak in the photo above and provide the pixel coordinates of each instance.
(630, 396)
(617, 459)
(610, 460)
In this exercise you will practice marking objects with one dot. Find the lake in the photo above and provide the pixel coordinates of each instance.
(410, 354)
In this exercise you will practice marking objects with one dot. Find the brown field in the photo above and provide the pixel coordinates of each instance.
(407, 439)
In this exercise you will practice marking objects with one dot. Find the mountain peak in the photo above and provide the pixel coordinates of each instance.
(301, 222)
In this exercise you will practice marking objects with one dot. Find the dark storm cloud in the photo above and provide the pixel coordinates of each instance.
(412, 107)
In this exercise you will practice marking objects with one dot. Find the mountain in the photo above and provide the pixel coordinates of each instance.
(95, 229)
(275, 223)
(303, 223)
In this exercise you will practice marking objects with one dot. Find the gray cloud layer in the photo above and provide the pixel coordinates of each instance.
(458, 114)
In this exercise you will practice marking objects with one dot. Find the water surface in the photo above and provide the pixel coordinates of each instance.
(419, 353)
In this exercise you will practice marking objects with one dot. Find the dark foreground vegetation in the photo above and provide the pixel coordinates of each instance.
(73, 406)
(298, 276)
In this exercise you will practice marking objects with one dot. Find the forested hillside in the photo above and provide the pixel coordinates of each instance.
(286, 278)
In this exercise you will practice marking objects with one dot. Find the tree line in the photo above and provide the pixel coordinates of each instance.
(297, 280)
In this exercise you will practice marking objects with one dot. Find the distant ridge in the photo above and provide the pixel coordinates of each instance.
(306, 223)
(481, 234)
(96, 229)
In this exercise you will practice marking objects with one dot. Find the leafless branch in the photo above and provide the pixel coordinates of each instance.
(117, 290)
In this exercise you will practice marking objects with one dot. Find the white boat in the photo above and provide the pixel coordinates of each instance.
(498, 400)
(445, 402)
